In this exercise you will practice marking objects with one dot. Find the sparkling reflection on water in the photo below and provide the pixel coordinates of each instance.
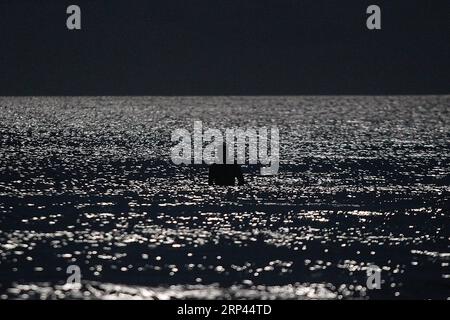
(89, 181)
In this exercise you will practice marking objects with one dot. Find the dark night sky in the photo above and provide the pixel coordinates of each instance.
(196, 47)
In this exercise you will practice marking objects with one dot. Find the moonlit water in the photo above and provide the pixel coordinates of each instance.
(88, 181)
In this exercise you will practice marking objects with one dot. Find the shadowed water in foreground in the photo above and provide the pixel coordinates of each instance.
(88, 181)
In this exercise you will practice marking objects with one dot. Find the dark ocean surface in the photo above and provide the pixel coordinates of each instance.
(88, 181)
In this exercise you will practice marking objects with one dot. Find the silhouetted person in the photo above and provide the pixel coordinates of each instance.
(224, 174)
